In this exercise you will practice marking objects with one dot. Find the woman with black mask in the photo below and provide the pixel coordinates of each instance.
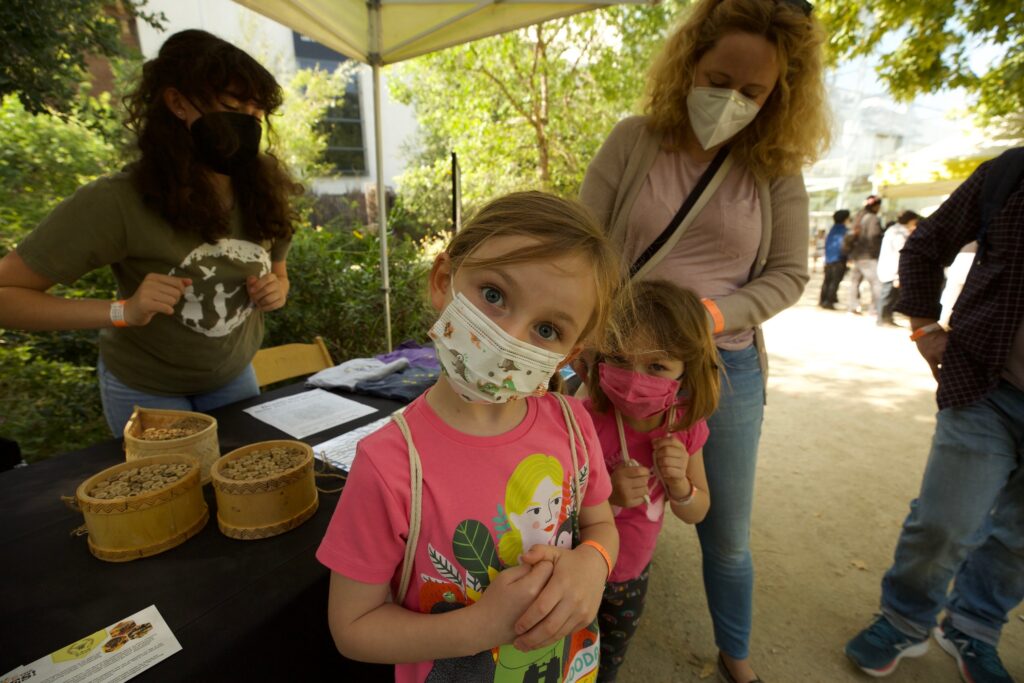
(196, 232)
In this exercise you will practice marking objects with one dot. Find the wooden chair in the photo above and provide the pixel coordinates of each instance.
(290, 360)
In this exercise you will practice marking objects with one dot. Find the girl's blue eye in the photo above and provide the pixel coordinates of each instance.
(547, 331)
(492, 296)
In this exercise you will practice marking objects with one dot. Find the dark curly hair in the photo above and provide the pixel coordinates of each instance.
(169, 175)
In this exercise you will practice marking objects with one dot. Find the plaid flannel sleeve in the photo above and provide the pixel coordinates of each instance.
(934, 245)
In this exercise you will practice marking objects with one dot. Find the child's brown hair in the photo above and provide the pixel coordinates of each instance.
(561, 226)
(659, 316)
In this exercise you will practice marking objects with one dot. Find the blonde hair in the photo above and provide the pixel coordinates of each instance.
(664, 317)
(561, 227)
(792, 128)
(519, 491)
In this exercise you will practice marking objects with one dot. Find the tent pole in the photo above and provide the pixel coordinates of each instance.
(382, 219)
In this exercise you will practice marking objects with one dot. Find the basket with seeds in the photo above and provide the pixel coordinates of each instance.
(264, 489)
(144, 507)
(152, 431)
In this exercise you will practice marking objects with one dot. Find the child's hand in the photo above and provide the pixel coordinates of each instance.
(511, 592)
(570, 599)
(629, 485)
(671, 459)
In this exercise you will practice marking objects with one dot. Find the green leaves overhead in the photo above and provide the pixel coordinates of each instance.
(527, 109)
(926, 45)
(46, 43)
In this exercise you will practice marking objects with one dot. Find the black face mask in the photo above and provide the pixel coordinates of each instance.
(227, 141)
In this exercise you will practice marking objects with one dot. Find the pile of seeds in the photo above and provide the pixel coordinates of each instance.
(131, 482)
(187, 426)
(263, 463)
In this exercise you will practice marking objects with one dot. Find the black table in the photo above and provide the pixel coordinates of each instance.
(242, 610)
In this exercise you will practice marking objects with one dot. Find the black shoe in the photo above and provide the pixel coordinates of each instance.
(723, 672)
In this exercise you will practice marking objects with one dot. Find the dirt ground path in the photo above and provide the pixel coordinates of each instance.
(847, 427)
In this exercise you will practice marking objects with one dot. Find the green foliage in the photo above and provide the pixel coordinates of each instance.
(527, 109)
(298, 141)
(46, 43)
(43, 160)
(48, 406)
(925, 46)
(335, 292)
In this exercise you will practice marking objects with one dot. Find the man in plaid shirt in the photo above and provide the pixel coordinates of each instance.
(967, 524)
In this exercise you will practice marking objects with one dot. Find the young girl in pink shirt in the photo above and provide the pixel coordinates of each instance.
(474, 536)
(650, 395)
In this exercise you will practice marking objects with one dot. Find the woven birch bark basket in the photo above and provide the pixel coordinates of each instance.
(201, 445)
(249, 509)
(129, 527)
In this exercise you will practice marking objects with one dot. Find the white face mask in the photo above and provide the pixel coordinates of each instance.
(485, 364)
(717, 114)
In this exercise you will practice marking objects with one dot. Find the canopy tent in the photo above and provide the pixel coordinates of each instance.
(380, 32)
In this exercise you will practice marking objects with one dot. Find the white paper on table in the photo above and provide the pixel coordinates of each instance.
(310, 412)
(341, 450)
(104, 655)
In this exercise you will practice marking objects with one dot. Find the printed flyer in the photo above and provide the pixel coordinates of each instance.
(113, 654)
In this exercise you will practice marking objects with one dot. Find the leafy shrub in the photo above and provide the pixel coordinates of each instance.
(335, 293)
(48, 406)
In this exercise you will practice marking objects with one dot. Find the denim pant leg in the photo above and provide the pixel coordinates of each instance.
(730, 456)
(974, 463)
(119, 400)
(990, 582)
(240, 388)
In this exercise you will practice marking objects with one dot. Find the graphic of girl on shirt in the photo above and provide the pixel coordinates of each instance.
(537, 510)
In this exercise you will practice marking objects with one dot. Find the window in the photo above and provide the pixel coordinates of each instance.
(343, 124)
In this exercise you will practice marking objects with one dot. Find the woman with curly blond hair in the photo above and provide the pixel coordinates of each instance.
(744, 78)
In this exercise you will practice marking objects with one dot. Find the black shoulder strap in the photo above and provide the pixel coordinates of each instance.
(1001, 179)
(688, 203)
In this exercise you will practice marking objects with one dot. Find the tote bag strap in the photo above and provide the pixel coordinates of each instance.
(575, 434)
(694, 203)
(415, 507)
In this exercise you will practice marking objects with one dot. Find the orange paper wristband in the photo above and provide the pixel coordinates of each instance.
(604, 553)
(924, 331)
(716, 314)
(117, 313)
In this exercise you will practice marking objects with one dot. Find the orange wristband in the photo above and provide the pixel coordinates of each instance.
(117, 313)
(924, 331)
(716, 314)
(604, 553)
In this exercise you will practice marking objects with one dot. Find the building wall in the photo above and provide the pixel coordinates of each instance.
(274, 44)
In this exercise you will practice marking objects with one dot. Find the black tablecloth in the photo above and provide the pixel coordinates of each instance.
(242, 610)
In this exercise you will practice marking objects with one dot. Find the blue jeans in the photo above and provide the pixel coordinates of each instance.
(119, 400)
(966, 525)
(730, 456)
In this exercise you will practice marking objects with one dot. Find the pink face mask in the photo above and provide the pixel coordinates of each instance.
(635, 394)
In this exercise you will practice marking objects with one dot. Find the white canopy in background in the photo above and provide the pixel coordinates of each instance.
(379, 32)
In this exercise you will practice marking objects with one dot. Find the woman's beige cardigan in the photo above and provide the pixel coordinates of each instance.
(779, 272)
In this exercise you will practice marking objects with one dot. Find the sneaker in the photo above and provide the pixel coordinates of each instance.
(977, 660)
(880, 647)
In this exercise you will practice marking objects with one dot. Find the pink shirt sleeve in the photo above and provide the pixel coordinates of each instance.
(365, 540)
(695, 437)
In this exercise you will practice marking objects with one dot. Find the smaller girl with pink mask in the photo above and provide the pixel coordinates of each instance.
(649, 397)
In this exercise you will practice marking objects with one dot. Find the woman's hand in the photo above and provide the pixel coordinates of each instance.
(672, 460)
(156, 294)
(629, 485)
(570, 599)
(267, 293)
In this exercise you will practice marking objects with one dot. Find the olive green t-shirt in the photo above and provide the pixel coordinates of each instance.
(214, 332)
